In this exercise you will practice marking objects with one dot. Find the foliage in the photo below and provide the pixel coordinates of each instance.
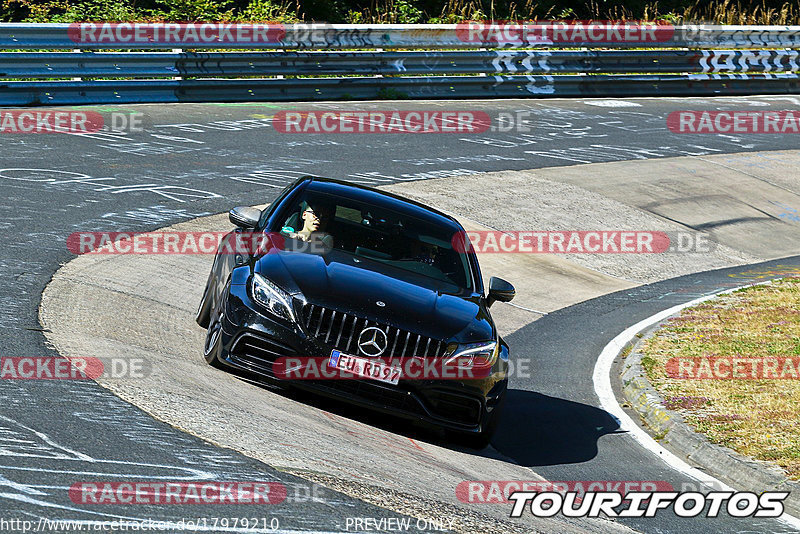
(84, 10)
(193, 10)
(267, 11)
(402, 11)
(157, 10)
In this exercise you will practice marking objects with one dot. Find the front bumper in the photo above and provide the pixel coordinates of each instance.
(252, 341)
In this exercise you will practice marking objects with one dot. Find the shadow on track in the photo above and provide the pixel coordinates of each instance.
(539, 430)
(534, 429)
(390, 423)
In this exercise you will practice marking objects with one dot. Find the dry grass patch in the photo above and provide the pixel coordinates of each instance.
(757, 418)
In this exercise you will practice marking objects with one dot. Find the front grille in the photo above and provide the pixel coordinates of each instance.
(341, 330)
(377, 393)
(259, 352)
(451, 407)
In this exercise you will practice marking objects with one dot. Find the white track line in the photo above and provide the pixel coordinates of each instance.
(608, 401)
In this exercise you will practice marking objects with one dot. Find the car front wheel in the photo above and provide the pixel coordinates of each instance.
(203, 315)
(213, 344)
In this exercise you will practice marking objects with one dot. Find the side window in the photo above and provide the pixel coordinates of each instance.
(271, 213)
(348, 214)
(293, 221)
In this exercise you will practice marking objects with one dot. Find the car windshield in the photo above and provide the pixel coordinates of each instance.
(373, 233)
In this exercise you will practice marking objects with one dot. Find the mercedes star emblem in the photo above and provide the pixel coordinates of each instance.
(372, 341)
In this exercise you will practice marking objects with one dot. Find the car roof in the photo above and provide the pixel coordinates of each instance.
(376, 196)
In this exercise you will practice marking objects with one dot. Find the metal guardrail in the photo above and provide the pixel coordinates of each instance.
(194, 64)
(680, 61)
(438, 87)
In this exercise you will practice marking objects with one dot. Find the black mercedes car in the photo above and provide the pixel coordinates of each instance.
(348, 275)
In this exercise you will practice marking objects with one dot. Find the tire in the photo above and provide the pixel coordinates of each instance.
(203, 316)
(213, 345)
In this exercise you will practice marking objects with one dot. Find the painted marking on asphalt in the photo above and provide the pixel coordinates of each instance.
(612, 103)
(526, 309)
(49, 177)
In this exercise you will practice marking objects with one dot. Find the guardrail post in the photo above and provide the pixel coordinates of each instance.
(177, 51)
(79, 78)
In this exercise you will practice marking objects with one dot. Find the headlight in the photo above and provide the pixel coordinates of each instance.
(471, 355)
(274, 299)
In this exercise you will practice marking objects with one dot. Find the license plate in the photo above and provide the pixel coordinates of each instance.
(365, 367)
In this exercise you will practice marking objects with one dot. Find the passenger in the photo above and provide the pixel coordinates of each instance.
(315, 217)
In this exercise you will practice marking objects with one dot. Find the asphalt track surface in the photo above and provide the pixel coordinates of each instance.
(568, 437)
(193, 160)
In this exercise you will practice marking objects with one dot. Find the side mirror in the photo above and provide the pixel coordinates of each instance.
(245, 217)
(499, 290)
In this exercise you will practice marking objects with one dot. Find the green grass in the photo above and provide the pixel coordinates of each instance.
(758, 418)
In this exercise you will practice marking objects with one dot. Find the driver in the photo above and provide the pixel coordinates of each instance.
(315, 217)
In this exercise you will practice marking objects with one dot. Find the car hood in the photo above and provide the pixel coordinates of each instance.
(413, 303)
